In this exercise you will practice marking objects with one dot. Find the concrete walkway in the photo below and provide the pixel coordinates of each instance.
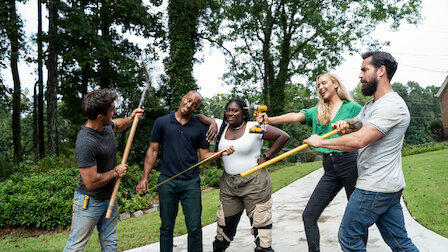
(288, 232)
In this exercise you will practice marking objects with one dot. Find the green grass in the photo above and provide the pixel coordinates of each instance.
(426, 196)
(426, 191)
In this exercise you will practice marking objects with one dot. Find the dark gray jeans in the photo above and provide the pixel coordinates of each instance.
(340, 171)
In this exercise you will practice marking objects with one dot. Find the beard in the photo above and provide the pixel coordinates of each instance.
(369, 88)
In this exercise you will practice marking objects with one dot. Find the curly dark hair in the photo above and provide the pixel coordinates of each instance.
(97, 102)
(246, 117)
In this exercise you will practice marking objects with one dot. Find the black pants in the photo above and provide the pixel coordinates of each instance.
(340, 171)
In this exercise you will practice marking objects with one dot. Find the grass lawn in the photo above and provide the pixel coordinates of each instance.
(426, 191)
(426, 195)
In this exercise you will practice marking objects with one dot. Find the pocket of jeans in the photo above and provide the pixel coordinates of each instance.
(382, 202)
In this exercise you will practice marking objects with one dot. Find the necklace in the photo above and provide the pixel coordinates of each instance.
(239, 127)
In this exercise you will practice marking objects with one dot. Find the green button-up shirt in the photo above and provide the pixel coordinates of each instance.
(346, 111)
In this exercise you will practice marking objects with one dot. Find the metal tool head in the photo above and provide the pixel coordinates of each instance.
(148, 85)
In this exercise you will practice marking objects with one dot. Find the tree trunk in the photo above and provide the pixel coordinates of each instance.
(35, 126)
(105, 67)
(40, 98)
(52, 113)
(182, 24)
(14, 36)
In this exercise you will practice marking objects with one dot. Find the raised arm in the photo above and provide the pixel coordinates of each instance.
(124, 123)
(281, 119)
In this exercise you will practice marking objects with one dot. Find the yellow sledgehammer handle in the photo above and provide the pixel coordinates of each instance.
(286, 154)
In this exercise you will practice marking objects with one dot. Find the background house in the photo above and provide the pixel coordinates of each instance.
(443, 96)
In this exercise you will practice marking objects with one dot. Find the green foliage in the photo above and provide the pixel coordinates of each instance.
(422, 148)
(423, 107)
(95, 53)
(436, 129)
(41, 196)
(128, 200)
(41, 200)
(211, 175)
(283, 40)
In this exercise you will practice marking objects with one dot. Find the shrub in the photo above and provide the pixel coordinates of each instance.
(41, 200)
(42, 195)
(211, 175)
(416, 149)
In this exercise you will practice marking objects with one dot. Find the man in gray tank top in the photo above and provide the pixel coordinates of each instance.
(96, 153)
(376, 199)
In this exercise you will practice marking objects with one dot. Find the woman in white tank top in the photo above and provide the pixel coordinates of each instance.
(253, 192)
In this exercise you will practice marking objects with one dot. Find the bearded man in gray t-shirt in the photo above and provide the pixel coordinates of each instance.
(376, 199)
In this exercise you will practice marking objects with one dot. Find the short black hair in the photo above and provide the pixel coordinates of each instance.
(97, 102)
(380, 58)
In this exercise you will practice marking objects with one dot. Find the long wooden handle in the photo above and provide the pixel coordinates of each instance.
(282, 156)
(123, 161)
(191, 167)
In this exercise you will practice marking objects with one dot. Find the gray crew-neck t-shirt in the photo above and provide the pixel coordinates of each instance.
(379, 163)
(100, 149)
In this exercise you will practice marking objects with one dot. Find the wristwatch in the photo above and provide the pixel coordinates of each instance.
(266, 157)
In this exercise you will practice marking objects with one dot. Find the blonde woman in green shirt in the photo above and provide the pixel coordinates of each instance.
(340, 167)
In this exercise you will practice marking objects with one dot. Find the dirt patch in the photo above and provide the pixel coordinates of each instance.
(26, 232)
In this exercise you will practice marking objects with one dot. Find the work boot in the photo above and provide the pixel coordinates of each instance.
(220, 246)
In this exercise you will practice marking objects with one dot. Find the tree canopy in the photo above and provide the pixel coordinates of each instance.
(276, 41)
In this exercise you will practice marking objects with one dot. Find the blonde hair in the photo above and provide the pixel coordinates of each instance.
(323, 107)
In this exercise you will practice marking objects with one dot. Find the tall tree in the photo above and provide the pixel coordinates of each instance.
(52, 82)
(189, 21)
(183, 39)
(13, 28)
(277, 40)
(40, 82)
(96, 51)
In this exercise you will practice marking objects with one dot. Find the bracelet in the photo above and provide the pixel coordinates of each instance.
(266, 157)
(118, 174)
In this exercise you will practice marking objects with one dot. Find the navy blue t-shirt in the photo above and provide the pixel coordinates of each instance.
(180, 144)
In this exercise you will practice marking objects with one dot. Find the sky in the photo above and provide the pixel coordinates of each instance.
(421, 52)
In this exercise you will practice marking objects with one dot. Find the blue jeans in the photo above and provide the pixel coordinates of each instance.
(366, 208)
(85, 220)
(188, 192)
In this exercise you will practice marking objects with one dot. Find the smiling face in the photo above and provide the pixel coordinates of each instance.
(234, 114)
(190, 102)
(326, 87)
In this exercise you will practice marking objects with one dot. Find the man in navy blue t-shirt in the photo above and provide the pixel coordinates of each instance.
(181, 135)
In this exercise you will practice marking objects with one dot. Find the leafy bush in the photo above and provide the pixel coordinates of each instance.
(211, 175)
(128, 200)
(41, 200)
(42, 195)
(416, 149)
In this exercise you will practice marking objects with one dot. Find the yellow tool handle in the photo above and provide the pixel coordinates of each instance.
(286, 154)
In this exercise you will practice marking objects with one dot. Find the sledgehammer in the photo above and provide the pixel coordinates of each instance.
(352, 124)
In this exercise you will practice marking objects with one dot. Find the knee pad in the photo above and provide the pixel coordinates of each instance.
(226, 227)
(261, 218)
